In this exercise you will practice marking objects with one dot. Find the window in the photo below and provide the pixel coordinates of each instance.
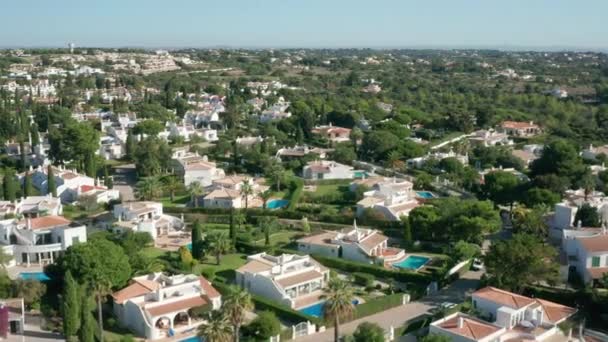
(595, 261)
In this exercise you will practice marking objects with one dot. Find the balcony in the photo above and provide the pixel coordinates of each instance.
(53, 247)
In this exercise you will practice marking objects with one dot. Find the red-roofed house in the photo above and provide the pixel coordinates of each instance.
(333, 133)
(519, 128)
(588, 255)
(157, 306)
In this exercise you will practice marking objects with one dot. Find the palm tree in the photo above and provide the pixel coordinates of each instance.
(172, 185)
(339, 303)
(237, 303)
(265, 196)
(216, 329)
(219, 244)
(246, 191)
(148, 189)
(196, 190)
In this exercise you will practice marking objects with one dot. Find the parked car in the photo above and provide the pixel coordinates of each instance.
(477, 265)
(447, 305)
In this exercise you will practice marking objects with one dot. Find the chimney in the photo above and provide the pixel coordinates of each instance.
(460, 322)
(29, 223)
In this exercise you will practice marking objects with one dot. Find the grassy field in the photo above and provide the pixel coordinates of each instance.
(227, 262)
(179, 200)
(280, 238)
(153, 252)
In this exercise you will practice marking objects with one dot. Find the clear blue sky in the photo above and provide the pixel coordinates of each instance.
(306, 23)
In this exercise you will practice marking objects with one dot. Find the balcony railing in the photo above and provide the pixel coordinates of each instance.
(54, 247)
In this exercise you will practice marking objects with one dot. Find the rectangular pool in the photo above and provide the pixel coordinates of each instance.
(412, 262)
(425, 194)
(277, 204)
(38, 276)
(317, 310)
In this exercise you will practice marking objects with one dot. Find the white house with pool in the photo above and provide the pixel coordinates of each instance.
(156, 305)
(393, 198)
(365, 245)
(39, 240)
(293, 280)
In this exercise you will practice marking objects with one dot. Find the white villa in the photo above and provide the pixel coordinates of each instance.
(510, 317)
(356, 244)
(519, 128)
(156, 305)
(419, 161)
(586, 252)
(39, 240)
(592, 152)
(187, 131)
(301, 151)
(333, 133)
(489, 138)
(145, 217)
(327, 169)
(32, 206)
(194, 168)
(227, 192)
(393, 198)
(293, 280)
(68, 183)
(565, 211)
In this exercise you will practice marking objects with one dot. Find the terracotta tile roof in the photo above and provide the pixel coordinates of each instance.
(372, 241)
(594, 243)
(503, 297)
(87, 188)
(299, 278)
(369, 201)
(209, 290)
(45, 222)
(69, 175)
(180, 305)
(472, 328)
(200, 165)
(223, 193)
(556, 312)
(518, 124)
(597, 272)
(254, 266)
(134, 290)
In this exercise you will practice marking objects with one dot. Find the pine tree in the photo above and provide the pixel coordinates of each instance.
(71, 307)
(51, 185)
(10, 185)
(197, 240)
(130, 146)
(87, 323)
(28, 188)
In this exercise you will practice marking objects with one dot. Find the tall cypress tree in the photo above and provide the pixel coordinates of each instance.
(28, 188)
(87, 325)
(10, 185)
(90, 165)
(197, 240)
(71, 307)
(130, 146)
(107, 180)
(51, 185)
(407, 231)
(232, 228)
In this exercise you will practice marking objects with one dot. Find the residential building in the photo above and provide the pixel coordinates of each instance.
(188, 131)
(420, 161)
(290, 279)
(519, 128)
(111, 148)
(32, 206)
(332, 133)
(507, 317)
(286, 153)
(195, 168)
(327, 169)
(145, 217)
(68, 182)
(490, 137)
(39, 240)
(101, 194)
(357, 244)
(565, 211)
(372, 88)
(586, 251)
(157, 305)
(391, 197)
(277, 111)
(12, 317)
(227, 192)
(249, 141)
(592, 152)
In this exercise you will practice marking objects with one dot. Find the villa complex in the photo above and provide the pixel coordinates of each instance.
(391, 198)
(289, 279)
(145, 217)
(156, 305)
(326, 169)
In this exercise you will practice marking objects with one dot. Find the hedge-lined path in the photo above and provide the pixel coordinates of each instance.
(397, 317)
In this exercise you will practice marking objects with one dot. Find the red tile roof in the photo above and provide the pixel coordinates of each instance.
(209, 290)
(471, 328)
(556, 312)
(594, 243)
(503, 297)
(518, 124)
(45, 222)
(179, 305)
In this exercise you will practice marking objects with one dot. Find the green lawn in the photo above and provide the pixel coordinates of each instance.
(280, 238)
(179, 200)
(153, 252)
(227, 262)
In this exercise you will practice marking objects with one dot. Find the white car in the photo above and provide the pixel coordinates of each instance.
(477, 265)
(447, 305)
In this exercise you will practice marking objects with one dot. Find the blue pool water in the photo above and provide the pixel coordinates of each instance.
(277, 204)
(412, 262)
(425, 194)
(360, 174)
(317, 310)
(39, 276)
(189, 246)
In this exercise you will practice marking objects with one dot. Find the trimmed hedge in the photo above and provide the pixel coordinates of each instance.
(364, 279)
(379, 304)
(283, 311)
(378, 271)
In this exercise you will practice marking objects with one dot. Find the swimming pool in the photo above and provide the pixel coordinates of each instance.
(277, 204)
(317, 310)
(425, 194)
(412, 262)
(38, 276)
(361, 174)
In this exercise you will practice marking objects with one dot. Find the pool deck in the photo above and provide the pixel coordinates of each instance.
(13, 272)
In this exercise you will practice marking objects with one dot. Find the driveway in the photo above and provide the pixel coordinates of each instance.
(397, 317)
(124, 181)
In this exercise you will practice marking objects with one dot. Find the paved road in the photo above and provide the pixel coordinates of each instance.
(124, 180)
(397, 317)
